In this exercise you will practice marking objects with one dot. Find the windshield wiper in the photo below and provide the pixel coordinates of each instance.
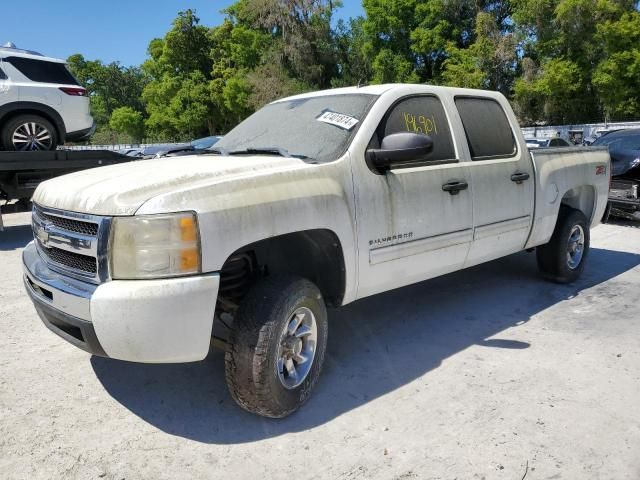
(283, 152)
(215, 151)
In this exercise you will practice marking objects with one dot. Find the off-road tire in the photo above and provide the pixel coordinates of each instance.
(12, 124)
(552, 257)
(254, 340)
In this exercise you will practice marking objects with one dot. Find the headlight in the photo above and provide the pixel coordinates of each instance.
(155, 246)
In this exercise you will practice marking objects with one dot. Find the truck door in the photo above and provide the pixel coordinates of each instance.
(409, 228)
(502, 177)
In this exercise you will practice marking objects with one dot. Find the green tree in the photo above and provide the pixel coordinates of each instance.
(300, 32)
(561, 61)
(186, 46)
(177, 97)
(109, 86)
(128, 121)
(236, 51)
(488, 63)
(562, 51)
(388, 26)
(617, 76)
(353, 64)
(417, 41)
(552, 92)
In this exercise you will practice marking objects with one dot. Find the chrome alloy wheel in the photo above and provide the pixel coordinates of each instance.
(31, 136)
(575, 247)
(297, 348)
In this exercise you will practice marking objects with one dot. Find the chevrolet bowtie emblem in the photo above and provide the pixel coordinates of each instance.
(42, 235)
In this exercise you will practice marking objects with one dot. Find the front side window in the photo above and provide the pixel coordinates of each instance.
(43, 71)
(420, 114)
(316, 128)
(3, 76)
(487, 128)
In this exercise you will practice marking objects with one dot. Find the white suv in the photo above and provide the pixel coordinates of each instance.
(41, 104)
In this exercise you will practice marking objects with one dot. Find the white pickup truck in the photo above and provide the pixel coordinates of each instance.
(315, 200)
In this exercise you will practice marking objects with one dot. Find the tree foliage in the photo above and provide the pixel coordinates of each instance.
(109, 86)
(128, 121)
(559, 61)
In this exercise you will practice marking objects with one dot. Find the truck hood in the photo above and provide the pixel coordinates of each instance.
(122, 189)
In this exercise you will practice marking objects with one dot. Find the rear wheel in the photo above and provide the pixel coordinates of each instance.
(29, 133)
(562, 259)
(277, 345)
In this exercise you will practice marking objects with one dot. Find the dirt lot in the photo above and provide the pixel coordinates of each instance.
(487, 373)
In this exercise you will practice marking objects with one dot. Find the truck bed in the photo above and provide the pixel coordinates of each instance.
(566, 170)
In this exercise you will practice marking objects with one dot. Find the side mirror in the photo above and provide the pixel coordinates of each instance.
(404, 147)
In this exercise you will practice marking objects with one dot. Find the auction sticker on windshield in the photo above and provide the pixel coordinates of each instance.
(341, 120)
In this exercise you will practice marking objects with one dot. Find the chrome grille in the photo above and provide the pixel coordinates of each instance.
(77, 226)
(72, 243)
(76, 261)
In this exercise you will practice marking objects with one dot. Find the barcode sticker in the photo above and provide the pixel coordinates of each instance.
(341, 120)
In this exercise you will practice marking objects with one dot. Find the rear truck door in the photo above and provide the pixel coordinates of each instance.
(410, 227)
(502, 173)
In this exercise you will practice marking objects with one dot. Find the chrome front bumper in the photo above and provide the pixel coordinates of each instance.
(63, 304)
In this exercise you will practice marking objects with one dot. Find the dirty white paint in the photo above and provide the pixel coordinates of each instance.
(243, 199)
(561, 171)
(121, 189)
(155, 320)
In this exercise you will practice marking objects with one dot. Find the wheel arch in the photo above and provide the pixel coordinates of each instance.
(582, 198)
(11, 110)
(313, 254)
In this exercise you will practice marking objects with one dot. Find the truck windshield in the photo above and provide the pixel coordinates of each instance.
(314, 128)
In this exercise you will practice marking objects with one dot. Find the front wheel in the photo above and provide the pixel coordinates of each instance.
(277, 345)
(562, 260)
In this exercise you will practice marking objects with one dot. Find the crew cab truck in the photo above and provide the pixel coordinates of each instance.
(312, 202)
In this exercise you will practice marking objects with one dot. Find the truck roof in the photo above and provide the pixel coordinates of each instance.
(383, 88)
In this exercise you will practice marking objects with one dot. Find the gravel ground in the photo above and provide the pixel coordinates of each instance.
(486, 373)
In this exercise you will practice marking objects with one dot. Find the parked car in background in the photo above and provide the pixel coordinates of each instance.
(41, 104)
(546, 142)
(131, 152)
(205, 143)
(171, 149)
(599, 133)
(161, 148)
(624, 148)
(195, 146)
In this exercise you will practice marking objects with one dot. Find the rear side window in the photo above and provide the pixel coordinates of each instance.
(3, 76)
(487, 128)
(43, 71)
(423, 114)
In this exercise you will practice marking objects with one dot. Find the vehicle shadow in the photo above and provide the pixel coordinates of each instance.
(15, 237)
(376, 345)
